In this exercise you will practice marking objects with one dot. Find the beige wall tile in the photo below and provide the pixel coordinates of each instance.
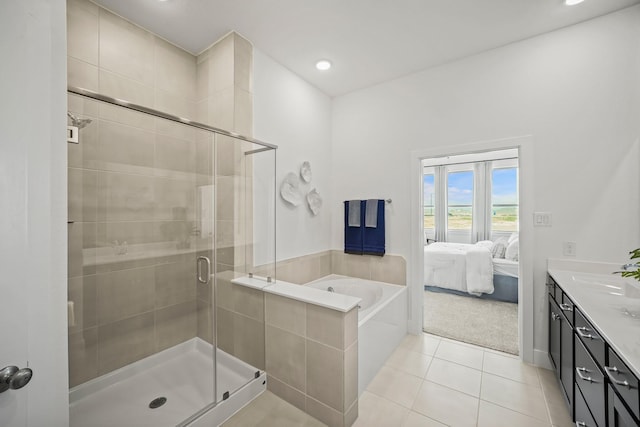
(286, 313)
(224, 294)
(125, 149)
(81, 236)
(125, 293)
(127, 117)
(134, 233)
(175, 282)
(306, 269)
(324, 413)
(82, 190)
(124, 342)
(175, 104)
(289, 394)
(175, 70)
(285, 357)
(229, 156)
(243, 63)
(389, 269)
(176, 130)
(175, 199)
(325, 374)
(83, 356)
(225, 330)
(116, 86)
(351, 265)
(202, 80)
(243, 112)
(249, 340)
(126, 49)
(174, 157)
(325, 263)
(350, 327)
(205, 321)
(225, 198)
(82, 74)
(175, 324)
(326, 326)
(249, 302)
(125, 197)
(82, 30)
(221, 58)
(221, 109)
(82, 293)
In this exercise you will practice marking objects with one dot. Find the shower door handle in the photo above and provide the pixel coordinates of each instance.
(207, 263)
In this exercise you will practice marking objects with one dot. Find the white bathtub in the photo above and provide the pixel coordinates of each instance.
(382, 320)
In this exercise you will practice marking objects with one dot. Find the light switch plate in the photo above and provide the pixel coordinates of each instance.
(569, 248)
(542, 219)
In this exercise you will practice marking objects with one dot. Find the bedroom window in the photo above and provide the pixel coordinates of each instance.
(460, 200)
(472, 197)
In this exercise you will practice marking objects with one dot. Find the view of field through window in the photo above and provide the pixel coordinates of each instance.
(504, 200)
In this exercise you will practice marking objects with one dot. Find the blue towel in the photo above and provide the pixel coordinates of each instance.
(373, 242)
(353, 235)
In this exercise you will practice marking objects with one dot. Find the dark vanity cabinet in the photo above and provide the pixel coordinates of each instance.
(599, 387)
(561, 339)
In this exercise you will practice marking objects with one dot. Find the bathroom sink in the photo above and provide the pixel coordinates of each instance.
(612, 285)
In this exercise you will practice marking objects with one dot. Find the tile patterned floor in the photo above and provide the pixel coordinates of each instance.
(433, 381)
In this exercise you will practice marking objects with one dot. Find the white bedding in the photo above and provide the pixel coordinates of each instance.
(464, 267)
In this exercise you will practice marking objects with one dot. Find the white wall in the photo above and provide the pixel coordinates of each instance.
(289, 112)
(574, 90)
(33, 255)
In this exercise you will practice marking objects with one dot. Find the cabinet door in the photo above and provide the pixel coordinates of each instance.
(619, 416)
(566, 360)
(554, 334)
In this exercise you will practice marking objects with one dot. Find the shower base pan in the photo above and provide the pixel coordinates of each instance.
(183, 375)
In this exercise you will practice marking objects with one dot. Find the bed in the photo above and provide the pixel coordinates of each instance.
(470, 270)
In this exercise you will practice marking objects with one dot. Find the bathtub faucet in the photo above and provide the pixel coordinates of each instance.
(330, 289)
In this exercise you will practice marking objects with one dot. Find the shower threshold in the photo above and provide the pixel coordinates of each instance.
(182, 374)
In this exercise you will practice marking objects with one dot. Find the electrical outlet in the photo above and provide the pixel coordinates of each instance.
(542, 219)
(569, 248)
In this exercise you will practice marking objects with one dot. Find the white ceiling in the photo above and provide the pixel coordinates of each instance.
(368, 41)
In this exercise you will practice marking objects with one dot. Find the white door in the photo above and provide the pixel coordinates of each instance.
(33, 210)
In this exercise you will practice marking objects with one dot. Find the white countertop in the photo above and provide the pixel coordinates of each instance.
(332, 300)
(610, 302)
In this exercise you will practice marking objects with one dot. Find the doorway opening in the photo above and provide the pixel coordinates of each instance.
(470, 237)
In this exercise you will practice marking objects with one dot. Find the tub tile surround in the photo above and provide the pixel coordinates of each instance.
(127, 308)
(307, 268)
(312, 358)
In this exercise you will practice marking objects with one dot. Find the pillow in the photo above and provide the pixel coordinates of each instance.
(512, 237)
(511, 253)
(499, 248)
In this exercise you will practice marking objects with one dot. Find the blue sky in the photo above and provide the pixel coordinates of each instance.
(461, 187)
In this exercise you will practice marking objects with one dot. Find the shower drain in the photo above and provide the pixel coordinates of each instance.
(157, 402)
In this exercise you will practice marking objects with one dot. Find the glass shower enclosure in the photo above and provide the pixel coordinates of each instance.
(163, 215)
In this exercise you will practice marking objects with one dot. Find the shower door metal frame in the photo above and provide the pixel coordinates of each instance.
(157, 113)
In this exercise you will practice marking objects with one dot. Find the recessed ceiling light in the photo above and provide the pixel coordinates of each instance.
(323, 65)
(572, 2)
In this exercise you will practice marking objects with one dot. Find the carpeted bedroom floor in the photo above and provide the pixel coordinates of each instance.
(490, 324)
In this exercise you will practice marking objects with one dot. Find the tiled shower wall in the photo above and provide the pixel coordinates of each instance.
(135, 178)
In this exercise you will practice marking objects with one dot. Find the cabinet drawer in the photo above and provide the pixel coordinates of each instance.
(590, 381)
(590, 338)
(583, 415)
(625, 383)
(567, 308)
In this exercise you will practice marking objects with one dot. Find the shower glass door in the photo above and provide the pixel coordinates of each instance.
(141, 259)
(245, 227)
